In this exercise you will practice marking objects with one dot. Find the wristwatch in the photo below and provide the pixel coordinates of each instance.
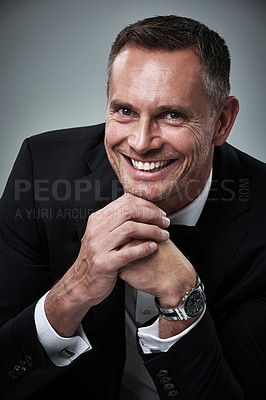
(190, 306)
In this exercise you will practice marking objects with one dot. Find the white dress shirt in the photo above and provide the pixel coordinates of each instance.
(140, 308)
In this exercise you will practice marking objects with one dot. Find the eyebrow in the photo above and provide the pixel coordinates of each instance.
(174, 108)
(119, 104)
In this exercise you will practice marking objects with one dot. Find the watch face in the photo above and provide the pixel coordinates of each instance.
(194, 303)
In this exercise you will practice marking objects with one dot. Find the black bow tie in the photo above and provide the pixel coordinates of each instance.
(185, 238)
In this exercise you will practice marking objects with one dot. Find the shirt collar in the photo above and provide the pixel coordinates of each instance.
(190, 214)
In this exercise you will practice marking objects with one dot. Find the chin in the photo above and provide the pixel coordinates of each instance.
(153, 196)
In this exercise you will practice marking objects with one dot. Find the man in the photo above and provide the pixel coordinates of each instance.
(76, 293)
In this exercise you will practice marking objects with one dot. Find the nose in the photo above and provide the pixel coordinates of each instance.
(145, 137)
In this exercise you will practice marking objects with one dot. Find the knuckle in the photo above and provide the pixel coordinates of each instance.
(92, 217)
(130, 254)
(87, 238)
(153, 231)
(150, 214)
(121, 258)
(144, 250)
(94, 226)
(127, 211)
(95, 218)
(157, 232)
(124, 257)
(91, 224)
(128, 228)
(92, 247)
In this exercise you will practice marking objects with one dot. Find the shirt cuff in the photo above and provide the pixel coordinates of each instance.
(149, 339)
(62, 351)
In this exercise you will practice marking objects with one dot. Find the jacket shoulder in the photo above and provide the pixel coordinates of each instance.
(253, 168)
(93, 133)
(63, 153)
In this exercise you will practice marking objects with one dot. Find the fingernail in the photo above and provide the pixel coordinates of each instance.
(153, 246)
(166, 221)
(165, 234)
(163, 212)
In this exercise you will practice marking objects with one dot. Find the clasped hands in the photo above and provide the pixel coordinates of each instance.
(127, 238)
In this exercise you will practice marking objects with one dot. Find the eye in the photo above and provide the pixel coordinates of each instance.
(125, 111)
(174, 115)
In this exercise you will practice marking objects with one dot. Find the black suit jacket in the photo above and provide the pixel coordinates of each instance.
(58, 179)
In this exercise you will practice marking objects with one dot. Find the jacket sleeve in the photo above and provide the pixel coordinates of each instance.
(226, 362)
(24, 277)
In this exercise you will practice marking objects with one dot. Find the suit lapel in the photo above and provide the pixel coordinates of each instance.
(220, 235)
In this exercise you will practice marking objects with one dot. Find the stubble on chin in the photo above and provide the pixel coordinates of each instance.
(153, 193)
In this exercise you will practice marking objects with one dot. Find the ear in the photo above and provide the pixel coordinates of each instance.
(225, 120)
(106, 90)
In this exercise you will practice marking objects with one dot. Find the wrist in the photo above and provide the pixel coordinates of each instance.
(190, 306)
(173, 297)
(168, 302)
(169, 329)
(65, 309)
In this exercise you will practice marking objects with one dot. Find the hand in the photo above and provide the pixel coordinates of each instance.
(166, 273)
(103, 252)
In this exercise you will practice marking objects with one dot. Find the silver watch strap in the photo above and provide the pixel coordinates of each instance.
(171, 314)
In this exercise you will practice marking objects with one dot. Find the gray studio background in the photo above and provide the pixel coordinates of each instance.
(54, 54)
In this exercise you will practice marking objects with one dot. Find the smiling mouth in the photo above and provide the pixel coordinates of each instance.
(149, 166)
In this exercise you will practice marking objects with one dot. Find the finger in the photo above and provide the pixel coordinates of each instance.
(115, 205)
(126, 255)
(128, 198)
(149, 214)
(133, 230)
(137, 230)
(130, 208)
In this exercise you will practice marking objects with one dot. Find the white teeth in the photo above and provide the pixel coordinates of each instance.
(146, 166)
(149, 166)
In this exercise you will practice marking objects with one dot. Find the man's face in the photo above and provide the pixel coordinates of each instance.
(159, 128)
